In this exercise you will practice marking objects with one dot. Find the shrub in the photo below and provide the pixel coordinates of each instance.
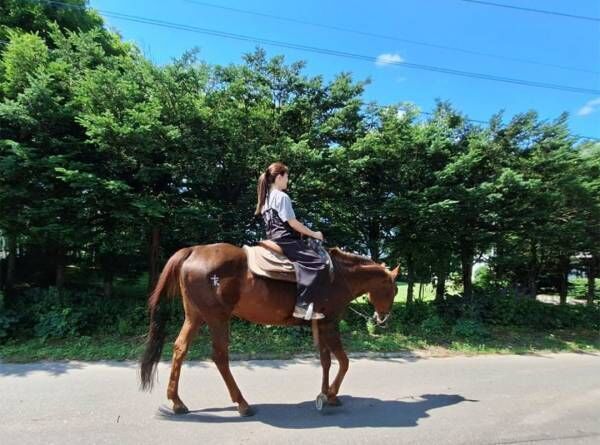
(483, 278)
(8, 319)
(471, 330)
(414, 313)
(434, 327)
(578, 288)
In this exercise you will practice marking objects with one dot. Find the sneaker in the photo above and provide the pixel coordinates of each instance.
(307, 312)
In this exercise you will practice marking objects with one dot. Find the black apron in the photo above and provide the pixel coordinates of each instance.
(311, 270)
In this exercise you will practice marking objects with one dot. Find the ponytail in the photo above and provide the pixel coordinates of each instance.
(264, 183)
(262, 190)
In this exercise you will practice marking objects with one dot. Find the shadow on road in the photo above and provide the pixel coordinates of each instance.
(356, 412)
(52, 368)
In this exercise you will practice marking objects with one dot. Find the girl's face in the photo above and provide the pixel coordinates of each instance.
(281, 181)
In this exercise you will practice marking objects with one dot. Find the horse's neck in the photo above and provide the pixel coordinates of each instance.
(359, 278)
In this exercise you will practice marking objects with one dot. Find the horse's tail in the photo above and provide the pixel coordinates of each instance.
(169, 282)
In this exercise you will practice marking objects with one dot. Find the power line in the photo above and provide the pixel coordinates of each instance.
(388, 37)
(331, 52)
(539, 11)
(428, 113)
(4, 42)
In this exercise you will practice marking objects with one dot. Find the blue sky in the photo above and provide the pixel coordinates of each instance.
(509, 33)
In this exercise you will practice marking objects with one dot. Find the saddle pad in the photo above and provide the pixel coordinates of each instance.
(266, 263)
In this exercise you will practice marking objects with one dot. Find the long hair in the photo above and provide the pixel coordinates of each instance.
(264, 183)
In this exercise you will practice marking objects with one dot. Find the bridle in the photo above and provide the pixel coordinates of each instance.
(375, 316)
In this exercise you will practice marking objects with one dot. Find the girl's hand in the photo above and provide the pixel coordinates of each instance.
(318, 235)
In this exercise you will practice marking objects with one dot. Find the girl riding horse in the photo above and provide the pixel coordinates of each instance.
(284, 229)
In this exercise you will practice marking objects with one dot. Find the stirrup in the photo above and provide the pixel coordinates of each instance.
(307, 314)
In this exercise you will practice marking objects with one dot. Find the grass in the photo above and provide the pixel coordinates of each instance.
(250, 341)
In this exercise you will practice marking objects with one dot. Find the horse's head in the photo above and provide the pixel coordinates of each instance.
(382, 292)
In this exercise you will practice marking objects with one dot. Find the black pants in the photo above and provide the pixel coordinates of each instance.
(311, 271)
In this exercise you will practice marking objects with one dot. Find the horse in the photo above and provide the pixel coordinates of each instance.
(215, 285)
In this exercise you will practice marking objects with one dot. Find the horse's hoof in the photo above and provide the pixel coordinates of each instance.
(245, 412)
(321, 402)
(334, 401)
(180, 409)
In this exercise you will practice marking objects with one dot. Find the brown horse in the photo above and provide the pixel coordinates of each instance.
(215, 284)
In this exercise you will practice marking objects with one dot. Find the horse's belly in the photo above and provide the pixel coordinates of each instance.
(258, 310)
(267, 302)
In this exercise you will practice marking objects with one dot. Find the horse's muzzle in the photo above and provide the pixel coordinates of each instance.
(381, 320)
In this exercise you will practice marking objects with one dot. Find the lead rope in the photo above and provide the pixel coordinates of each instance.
(375, 316)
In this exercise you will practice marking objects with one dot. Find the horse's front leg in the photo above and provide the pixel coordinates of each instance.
(220, 345)
(334, 344)
(325, 356)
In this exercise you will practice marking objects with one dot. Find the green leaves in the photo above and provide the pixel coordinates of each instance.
(23, 57)
(101, 150)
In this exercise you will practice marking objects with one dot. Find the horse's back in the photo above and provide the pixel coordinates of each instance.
(218, 256)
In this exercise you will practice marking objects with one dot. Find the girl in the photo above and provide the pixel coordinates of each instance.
(284, 229)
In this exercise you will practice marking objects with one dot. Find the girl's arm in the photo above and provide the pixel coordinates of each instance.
(299, 227)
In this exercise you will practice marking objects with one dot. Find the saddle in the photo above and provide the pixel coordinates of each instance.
(268, 260)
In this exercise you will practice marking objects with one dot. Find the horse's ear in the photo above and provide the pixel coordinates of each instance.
(395, 272)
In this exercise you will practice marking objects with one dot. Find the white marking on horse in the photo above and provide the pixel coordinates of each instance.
(215, 280)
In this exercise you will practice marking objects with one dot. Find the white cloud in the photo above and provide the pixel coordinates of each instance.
(590, 107)
(388, 59)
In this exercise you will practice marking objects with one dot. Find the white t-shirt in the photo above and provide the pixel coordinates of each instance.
(280, 201)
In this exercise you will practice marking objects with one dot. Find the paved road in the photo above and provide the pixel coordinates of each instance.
(461, 400)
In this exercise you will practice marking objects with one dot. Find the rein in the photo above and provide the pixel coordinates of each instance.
(375, 316)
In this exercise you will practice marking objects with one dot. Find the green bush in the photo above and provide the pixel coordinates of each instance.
(8, 319)
(344, 327)
(50, 313)
(471, 330)
(57, 322)
(483, 278)
(578, 288)
(434, 327)
(414, 313)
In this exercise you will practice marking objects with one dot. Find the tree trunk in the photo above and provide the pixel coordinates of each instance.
(153, 258)
(563, 278)
(410, 278)
(466, 258)
(108, 283)
(440, 287)
(11, 267)
(532, 271)
(421, 291)
(61, 261)
(373, 242)
(591, 275)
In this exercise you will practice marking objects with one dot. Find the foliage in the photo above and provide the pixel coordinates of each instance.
(109, 163)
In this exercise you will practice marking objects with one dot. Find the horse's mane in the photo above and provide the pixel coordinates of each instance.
(350, 259)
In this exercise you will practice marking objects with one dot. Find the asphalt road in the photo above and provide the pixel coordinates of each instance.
(534, 399)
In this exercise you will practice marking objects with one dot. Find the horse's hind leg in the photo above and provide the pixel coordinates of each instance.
(220, 345)
(184, 339)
